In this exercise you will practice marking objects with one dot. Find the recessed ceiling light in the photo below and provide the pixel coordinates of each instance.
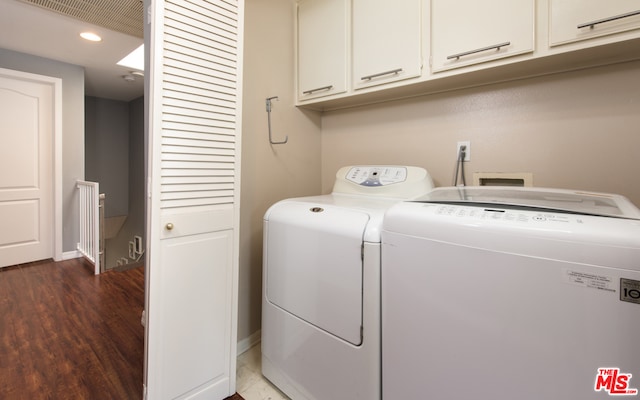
(91, 36)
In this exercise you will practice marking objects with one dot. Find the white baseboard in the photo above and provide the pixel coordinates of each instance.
(247, 343)
(68, 255)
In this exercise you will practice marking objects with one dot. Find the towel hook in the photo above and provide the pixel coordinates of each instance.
(286, 139)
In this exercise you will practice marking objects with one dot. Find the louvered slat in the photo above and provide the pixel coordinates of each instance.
(172, 70)
(190, 203)
(213, 15)
(193, 154)
(181, 85)
(180, 130)
(214, 39)
(173, 114)
(199, 187)
(171, 181)
(177, 44)
(204, 67)
(199, 105)
(197, 173)
(181, 158)
(218, 143)
(185, 103)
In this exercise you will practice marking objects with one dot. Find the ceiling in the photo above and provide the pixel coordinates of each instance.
(51, 29)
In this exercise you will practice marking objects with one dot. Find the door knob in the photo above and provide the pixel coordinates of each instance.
(169, 226)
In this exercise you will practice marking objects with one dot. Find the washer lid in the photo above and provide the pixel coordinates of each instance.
(557, 200)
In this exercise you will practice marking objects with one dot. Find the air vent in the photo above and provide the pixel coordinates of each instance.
(124, 16)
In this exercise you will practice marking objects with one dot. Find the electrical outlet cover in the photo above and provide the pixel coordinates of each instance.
(467, 151)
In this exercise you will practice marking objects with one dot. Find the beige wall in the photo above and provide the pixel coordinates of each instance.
(577, 130)
(270, 172)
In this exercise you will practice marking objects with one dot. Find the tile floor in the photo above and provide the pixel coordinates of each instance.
(250, 384)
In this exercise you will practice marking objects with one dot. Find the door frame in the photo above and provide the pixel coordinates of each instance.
(56, 84)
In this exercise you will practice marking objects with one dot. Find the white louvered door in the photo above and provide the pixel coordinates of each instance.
(193, 211)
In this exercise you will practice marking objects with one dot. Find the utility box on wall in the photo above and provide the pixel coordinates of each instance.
(502, 179)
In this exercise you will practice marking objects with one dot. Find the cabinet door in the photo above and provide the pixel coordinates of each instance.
(575, 20)
(322, 48)
(471, 32)
(193, 132)
(386, 41)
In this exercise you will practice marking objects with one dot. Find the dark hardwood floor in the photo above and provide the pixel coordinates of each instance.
(68, 334)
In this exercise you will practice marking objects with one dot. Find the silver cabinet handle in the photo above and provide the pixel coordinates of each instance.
(466, 53)
(592, 24)
(318, 89)
(369, 77)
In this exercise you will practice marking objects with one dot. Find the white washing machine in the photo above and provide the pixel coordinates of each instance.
(321, 284)
(494, 293)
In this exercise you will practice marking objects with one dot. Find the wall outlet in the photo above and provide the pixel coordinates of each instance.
(467, 150)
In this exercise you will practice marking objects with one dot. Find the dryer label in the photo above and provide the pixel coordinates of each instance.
(589, 280)
(629, 290)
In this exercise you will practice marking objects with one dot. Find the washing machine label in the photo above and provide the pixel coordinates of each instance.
(629, 290)
(589, 280)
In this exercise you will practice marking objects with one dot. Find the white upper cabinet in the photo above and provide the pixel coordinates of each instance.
(354, 52)
(575, 20)
(386, 41)
(322, 48)
(470, 32)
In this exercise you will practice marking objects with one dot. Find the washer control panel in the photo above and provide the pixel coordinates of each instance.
(377, 176)
(495, 214)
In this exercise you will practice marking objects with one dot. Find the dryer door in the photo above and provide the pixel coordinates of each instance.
(313, 265)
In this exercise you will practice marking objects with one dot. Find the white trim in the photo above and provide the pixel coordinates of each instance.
(68, 255)
(56, 83)
(237, 185)
(57, 170)
(248, 342)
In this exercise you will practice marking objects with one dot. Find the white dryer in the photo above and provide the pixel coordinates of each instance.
(495, 293)
(321, 284)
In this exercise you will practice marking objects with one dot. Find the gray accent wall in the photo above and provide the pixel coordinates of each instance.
(114, 148)
(107, 151)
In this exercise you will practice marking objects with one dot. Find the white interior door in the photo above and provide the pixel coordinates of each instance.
(193, 211)
(26, 168)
